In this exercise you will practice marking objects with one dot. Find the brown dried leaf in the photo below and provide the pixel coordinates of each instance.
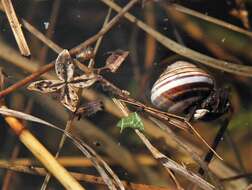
(68, 84)
(69, 97)
(90, 108)
(46, 86)
(84, 81)
(64, 66)
(115, 60)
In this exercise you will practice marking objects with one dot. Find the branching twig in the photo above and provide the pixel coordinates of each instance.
(125, 112)
(70, 121)
(165, 161)
(73, 51)
(173, 119)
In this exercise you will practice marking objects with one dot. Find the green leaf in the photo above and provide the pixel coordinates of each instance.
(132, 121)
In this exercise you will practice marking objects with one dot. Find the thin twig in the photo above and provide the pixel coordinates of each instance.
(78, 176)
(26, 80)
(73, 51)
(42, 37)
(80, 161)
(105, 29)
(71, 117)
(208, 18)
(98, 43)
(125, 112)
(42, 154)
(236, 150)
(237, 69)
(173, 119)
(165, 161)
(62, 140)
(9, 174)
(245, 175)
(185, 148)
(49, 30)
(90, 130)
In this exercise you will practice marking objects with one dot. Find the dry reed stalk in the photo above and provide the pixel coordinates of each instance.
(42, 154)
(42, 37)
(168, 163)
(233, 68)
(78, 161)
(78, 176)
(9, 176)
(208, 18)
(58, 49)
(198, 34)
(16, 27)
(89, 132)
(60, 145)
(90, 95)
(104, 29)
(184, 147)
(71, 117)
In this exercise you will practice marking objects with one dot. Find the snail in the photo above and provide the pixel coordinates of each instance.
(185, 89)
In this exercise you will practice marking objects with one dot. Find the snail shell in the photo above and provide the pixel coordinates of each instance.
(181, 86)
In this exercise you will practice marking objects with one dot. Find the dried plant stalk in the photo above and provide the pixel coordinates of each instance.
(90, 131)
(80, 161)
(42, 154)
(233, 68)
(16, 27)
(79, 176)
(50, 30)
(105, 29)
(168, 163)
(90, 95)
(58, 49)
(207, 18)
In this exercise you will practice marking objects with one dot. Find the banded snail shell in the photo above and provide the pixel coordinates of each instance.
(180, 86)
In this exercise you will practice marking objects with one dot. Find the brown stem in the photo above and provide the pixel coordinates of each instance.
(79, 176)
(73, 52)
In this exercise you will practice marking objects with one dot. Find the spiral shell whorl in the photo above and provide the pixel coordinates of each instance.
(179, 86)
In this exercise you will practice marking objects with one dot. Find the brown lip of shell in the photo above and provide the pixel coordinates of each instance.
(169, 98)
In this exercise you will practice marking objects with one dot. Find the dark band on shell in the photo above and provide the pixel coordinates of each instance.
(180, 86)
